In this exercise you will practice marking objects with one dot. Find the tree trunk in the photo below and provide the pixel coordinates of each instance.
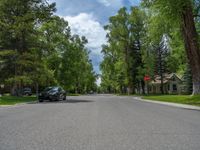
(143, 86)
(130, 89)
(37, 90)
(13, 91)
(161, 85)
(192, 47)
(161, 68)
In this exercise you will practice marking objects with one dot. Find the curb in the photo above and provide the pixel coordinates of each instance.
(169, 104)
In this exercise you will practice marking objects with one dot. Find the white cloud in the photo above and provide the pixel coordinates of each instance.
(86, 25)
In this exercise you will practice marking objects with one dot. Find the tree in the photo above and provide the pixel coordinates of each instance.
(19, 21)
(187, 80)
(122, 56)
(137, 33)
(76, 71)
(113, 76)
(161, 59)
(37, 48)
(55, 37)
(183, 13)
(66, 56)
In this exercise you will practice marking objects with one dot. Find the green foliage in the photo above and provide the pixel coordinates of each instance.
(171, 10)
(179, 17)
(134, 39)
(19, 21)
(76, 71)
(122, 56)
(37, 48)
(187, 80)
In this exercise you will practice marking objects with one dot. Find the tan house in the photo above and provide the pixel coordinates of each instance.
(172, 84)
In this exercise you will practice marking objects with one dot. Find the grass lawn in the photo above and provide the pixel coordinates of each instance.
(12, 100)
(182, 99)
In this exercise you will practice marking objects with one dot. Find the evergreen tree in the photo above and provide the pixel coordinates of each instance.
(35, 46)
(18, 25)
(161, 65)
(187, 80)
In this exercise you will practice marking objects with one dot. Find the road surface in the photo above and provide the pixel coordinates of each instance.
(99, 122)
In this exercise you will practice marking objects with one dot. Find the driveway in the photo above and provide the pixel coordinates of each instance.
(99, 122)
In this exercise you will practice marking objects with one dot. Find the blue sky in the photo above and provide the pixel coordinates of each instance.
(87, 18)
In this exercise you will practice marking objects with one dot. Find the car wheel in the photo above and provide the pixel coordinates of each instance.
(40, 100)
(64, 98)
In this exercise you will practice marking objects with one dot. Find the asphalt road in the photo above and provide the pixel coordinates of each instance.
(101, 122)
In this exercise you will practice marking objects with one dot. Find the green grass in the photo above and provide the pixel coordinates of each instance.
(12, 100)
(181, 99)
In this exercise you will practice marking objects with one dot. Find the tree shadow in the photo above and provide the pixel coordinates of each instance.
(60, 102)
(78, 101)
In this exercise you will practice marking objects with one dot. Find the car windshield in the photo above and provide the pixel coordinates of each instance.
(47, 89)
(51, 89)
(27, 89)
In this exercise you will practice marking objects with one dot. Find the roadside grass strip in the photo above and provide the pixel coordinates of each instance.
(13, 100)
(180, 99)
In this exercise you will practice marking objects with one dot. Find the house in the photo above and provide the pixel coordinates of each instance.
(171, 84)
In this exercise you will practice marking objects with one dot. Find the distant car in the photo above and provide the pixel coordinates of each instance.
(52, 94)
(91, 92)
(27, 91)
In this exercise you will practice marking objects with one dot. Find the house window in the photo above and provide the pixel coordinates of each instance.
(168, 87)
(174, 87)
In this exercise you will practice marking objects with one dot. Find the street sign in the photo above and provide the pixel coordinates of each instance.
(147, 78)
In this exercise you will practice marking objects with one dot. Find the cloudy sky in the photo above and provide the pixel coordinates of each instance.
(87, 18)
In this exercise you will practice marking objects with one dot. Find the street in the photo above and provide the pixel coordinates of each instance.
(99, 122)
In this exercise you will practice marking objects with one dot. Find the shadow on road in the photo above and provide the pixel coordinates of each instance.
(78, 101)
(66, 101)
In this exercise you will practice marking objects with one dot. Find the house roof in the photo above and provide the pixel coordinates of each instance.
(166, 78)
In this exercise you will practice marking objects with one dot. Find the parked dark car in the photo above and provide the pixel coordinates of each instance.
(52, 94)
(27, 91)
